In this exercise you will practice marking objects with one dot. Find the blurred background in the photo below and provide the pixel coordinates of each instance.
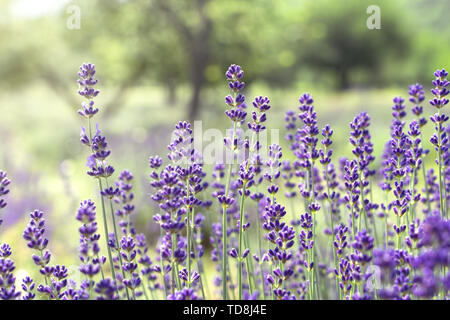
(160, 61)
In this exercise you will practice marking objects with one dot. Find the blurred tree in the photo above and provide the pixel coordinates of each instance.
(191, 21)
(174, 43)
(339, 39)
(163, 40)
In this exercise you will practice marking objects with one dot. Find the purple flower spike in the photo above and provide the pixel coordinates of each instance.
(87, 81)
(7, 278)
(440, 90)
(4, 183)
(440, 138)
(89, 248)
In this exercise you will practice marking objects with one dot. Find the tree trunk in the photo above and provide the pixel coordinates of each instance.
(199, 48)
(171, 94)
(194, 104)
(343, 77)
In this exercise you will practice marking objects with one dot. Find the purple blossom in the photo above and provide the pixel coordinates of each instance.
(89, 248)
(7, 279)
(87, 82)
(4, 183)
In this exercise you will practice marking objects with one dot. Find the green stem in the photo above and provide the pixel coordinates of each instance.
(162, 269)
(233, 294)
(332, 229)
(101, 268)
(441, 198)
(363, 209)
(314, 230)
(175, 277)
(398, 234)
(42, 257)
(425, 183)
(258, 235)
(224, 224)
(374, 222)
(105, 221)
(411, 188)
(105, 225)
(249, 266)
(116, 237)
(386, 233)
(241, 230)
(188, 235)
(200, 271)
(145, 290)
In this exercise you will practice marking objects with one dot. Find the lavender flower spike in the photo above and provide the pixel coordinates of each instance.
(96, 161)
(237, 115)
(440, 139)
(4, 182)
(7, 278)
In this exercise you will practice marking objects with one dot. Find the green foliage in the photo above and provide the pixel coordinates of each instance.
(188, 42)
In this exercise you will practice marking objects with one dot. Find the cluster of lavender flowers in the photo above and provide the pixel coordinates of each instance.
(339, 242)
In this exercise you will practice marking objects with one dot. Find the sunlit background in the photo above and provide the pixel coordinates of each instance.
(162, 61)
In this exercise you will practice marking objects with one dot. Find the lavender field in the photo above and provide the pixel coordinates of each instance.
(206, 173)
(339, 243)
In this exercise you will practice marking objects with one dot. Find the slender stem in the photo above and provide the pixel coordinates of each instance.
(241, 230)
(175, 278)
(42, 257)
(374, 222)
(224, 224)
(101, 268)
(258, 235)
(105, 221)
(116, 237)
(133, 291)
(426, 187)
(105, 225)
(314, 230)
(411, 188)
(200, 271)
(441, 198)
(363, 209)
(424, 174)
(249, 266)
(188, 234)
(224, 251)
(233, 294)
(386, 233)
(163, 276)
(145, 290)
(352, 211)
(332, 228)
(315, 259)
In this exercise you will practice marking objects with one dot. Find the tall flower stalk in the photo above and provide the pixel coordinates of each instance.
(7, 279)
(325, 160)
(416, 96)
(4, 190)
(99, 167)
(246, 180)
(309, 141)
(236, 102)
(89, 248)
(440, 139)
